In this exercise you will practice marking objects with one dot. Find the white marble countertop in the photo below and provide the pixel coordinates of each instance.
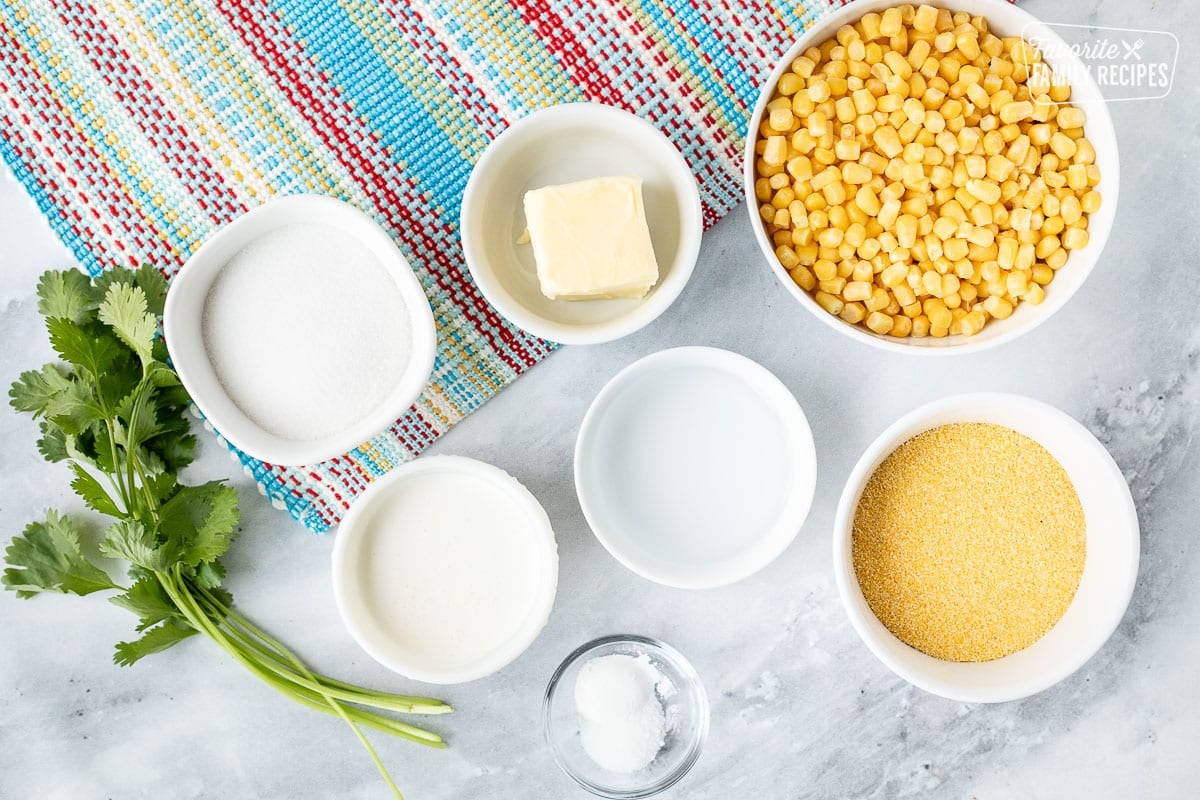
(800, 707)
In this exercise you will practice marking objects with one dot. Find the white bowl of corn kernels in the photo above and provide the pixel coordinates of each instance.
(985, 547)
(926, 180)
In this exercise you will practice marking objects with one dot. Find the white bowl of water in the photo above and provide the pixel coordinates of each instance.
(695, 467)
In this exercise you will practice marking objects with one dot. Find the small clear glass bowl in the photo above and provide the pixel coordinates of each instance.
(685, 704)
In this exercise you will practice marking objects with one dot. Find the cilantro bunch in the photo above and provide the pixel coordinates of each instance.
(115, 413)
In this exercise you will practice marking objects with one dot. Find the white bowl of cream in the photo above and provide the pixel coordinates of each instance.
(445, 569)
(299, 330)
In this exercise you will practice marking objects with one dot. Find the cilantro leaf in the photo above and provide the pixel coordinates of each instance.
(200, 521)
(92, 492)
(90, 347)
(137, 544)
(47, 558)
(34, 390)
(124, 310)
(147, 278)
(53, 444)
(174, 443)
(209, 575)
(66, 294)
(74, 409)
(120, 379)
(155, 640)
(147, 598)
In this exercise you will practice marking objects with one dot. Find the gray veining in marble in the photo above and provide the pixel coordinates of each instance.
(800, 708)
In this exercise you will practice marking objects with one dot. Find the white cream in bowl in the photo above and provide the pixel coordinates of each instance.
(445, 569)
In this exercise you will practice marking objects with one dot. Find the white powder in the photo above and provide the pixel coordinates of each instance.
(306, 331)
(622, 724)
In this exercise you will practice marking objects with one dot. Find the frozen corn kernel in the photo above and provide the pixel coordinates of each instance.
(1075, 238)
(879, 322)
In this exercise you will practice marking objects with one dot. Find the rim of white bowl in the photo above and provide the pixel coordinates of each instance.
(777, 395)
(661, 296)
(1100, 132)
(873, 633)
(541, 532)
(185, 305)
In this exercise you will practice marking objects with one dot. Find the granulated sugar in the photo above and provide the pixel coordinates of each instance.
(969, 542)
(307, 331)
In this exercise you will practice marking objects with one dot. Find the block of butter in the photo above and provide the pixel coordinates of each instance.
(590, 239)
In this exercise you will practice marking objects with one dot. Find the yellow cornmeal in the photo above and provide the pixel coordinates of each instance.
(969, 542)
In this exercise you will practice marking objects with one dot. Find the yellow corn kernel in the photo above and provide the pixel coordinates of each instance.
(888, 141)
(1016, 111)
(889, 213)
(920, 326)
(782, 119)
(853, 313)
(880, 323)
(825, 269)
(800, 168)
(866, 199)
(776, 152)
(831, 303)
(983, 191)
(1077, 177)
(1090, 202)
(939, 315)
(879, 299)
(1070, 117)
(973, 322)
(1035, 295)
(906, 230)
(982, 236)
(824, 178)
(890, 23)
(1046, 246)
(803, 277)
(835, 193)
(998, 307)
(1071, 209)
(897, 64)
(874, 162)
(790, 83)
(1057, 259)
(925, 19)
(855, 173)
(787, 257)
(1062, 145)
(1021, 219)
(834, 286)
(848, 150)
(856, 291)
(955, 249)
(1075, 239)
(1042, 274)
(1085, 152)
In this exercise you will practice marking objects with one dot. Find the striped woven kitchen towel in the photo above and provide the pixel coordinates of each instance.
(141, 126)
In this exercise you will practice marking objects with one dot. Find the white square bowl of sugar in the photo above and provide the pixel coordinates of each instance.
(299, 330)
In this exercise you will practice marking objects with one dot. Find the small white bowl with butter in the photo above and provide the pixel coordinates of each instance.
(594, 180)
